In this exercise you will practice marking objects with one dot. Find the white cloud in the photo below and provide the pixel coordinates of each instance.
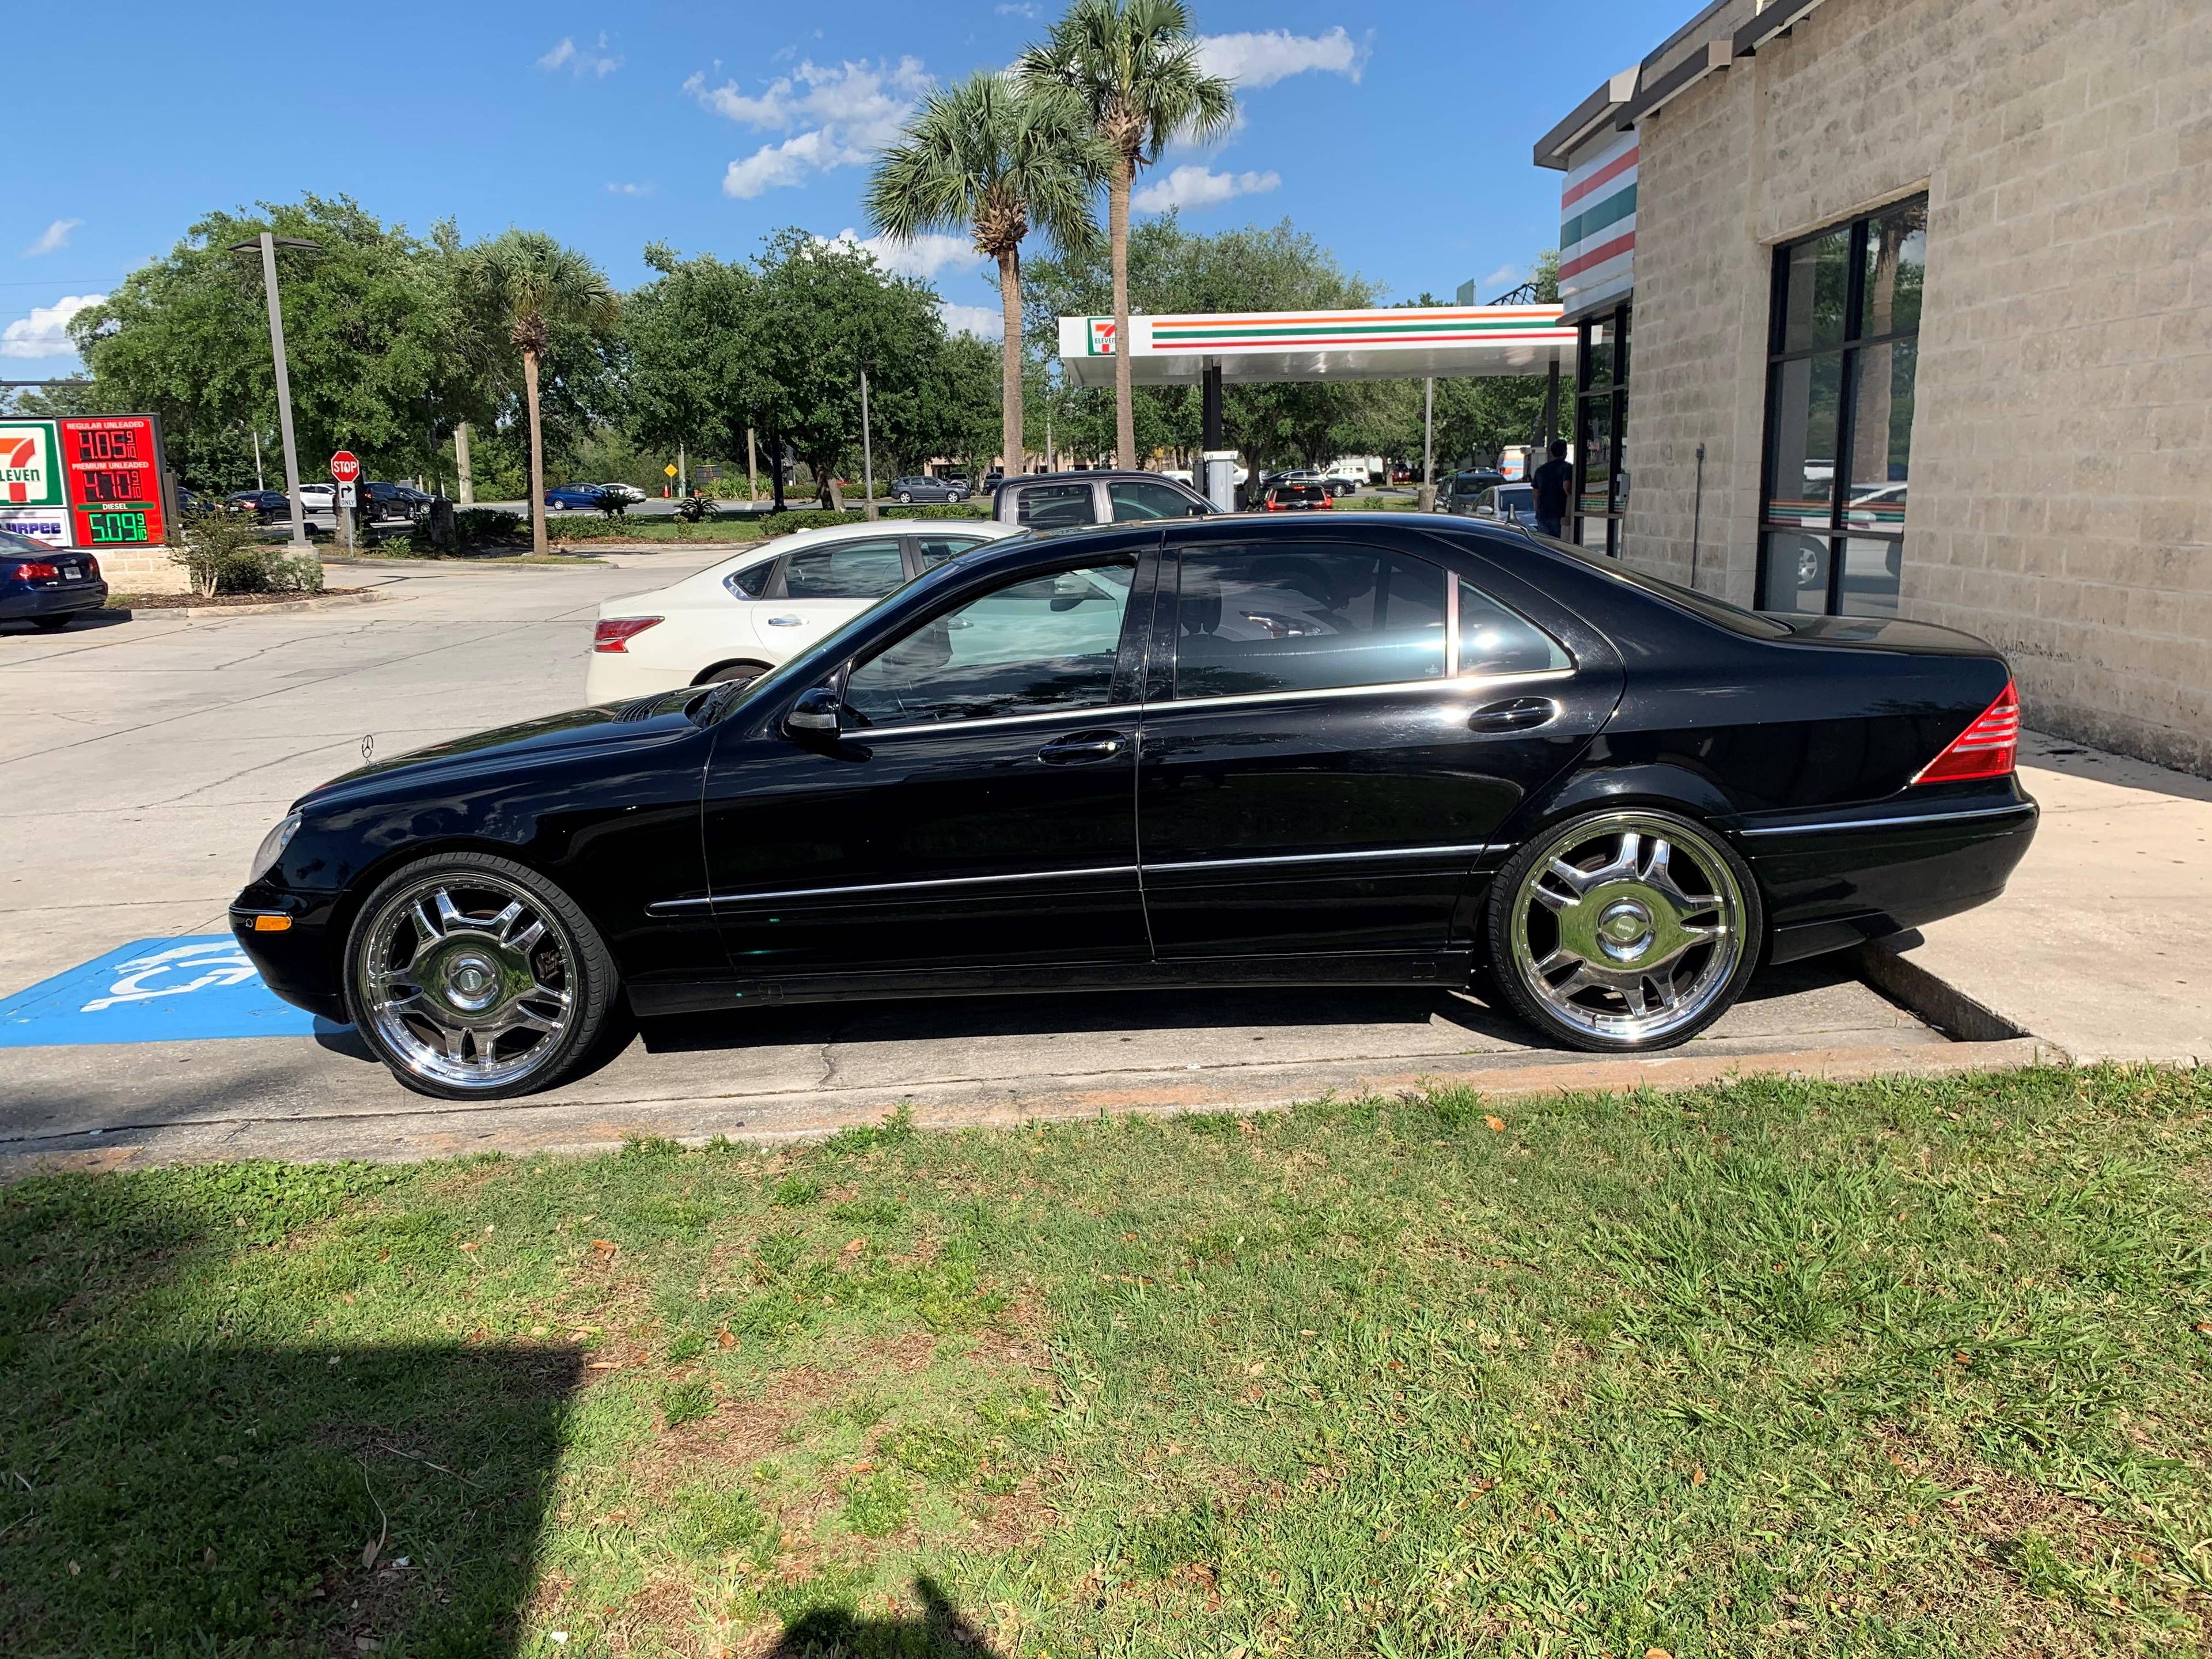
(44, 332)
(845, 113)
(924, 256)
(1260, 59)
(1195, 186)
(984, 322)
(1018, 11)
(593, 60)
(630, 190)
(1504, 277)
(54, 239)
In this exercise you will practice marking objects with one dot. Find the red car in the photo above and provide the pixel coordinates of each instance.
(1300, 498)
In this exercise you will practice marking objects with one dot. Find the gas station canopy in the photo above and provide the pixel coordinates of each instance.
(1404, 343)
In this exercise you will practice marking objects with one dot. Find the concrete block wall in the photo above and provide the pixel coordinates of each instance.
(141, 570)
(2062, 445)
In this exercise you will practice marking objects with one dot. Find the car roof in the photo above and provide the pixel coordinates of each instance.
(985, 530)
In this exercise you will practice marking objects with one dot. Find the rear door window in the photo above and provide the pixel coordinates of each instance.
(1305, 619)
(1054, 506)
(1136, 499)
(936, 549)
(1493, 640)
(845, 570)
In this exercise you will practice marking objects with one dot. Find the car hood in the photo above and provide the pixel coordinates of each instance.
(527, 743)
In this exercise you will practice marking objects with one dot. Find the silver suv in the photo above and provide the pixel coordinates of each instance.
(1071, 500)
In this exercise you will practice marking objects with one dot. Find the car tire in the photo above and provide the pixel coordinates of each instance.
(52, 624)
(1624, 930)
(473, 977)
(906, 498)
(740, 673)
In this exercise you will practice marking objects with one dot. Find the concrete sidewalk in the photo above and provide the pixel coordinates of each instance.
(2099, 944)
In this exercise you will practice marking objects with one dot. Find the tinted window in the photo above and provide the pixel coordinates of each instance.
(750, 582)
(936, 549)
(1306, 618)
(1053, 507)
(1134, 498)
(1495, 640)
(1301, 493)
(1045, 643)
(844, 571)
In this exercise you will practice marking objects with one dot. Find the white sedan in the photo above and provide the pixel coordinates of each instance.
(738, 619)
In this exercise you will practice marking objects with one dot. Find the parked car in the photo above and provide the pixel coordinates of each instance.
(47, 587)
(1508, 503)
(1068, 501)
(1463, 491)
(270, 505)
(738, 619)
(385, 502)
(1305, 497)
(629, 492)
(318, 497)
(1372, 752)
(918, 488)
(565, 498)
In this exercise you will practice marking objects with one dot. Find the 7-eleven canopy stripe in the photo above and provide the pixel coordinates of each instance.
(1597, 223)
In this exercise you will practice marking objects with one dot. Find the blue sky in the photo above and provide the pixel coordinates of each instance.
(1398, 134)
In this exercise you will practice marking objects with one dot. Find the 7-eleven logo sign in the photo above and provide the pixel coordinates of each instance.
(1101, 335)
(28, 476)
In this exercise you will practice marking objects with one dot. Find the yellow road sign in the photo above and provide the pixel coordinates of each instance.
(670, 470)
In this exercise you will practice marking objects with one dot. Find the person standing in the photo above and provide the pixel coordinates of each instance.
(1553, 479)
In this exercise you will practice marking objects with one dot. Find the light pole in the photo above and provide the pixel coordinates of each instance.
(1428, 499)
(267, 244)
(867, 450)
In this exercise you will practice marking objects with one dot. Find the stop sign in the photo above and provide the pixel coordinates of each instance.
(344, 466)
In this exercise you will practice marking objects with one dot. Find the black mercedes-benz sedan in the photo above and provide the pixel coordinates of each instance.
(1217, 751)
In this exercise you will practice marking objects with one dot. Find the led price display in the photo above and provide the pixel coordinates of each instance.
(114, 464)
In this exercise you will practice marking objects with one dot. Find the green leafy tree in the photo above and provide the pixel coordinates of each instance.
(997, 158)
(962, 403)
(370, 331)
(693, 381)
(535, 287)
(1133, 66)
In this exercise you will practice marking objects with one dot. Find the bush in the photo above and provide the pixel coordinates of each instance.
(475, 524)
(224, 553)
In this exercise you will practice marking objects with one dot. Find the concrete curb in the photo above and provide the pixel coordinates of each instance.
(318, 602)
(1942, 1006)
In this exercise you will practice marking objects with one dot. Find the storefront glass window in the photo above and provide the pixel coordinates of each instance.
(1601, 418)
(1844, 354)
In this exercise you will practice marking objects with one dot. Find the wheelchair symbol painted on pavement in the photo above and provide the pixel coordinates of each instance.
(224, 963)
(153, 990)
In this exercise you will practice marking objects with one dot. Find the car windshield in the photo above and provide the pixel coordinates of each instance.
(1754, 623)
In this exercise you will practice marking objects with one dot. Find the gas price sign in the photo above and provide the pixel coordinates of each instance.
(113, 467)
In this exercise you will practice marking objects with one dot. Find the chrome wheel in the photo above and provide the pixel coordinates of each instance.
(1628, 927)
(467, 980)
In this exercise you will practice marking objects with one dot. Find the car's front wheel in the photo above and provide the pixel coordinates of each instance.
(1618, 931)
(474, 978)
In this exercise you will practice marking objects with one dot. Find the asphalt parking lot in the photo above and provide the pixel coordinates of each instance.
(148, 756)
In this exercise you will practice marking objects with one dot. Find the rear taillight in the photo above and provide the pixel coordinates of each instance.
(91, 566)
(37, 572)
(1989, 747)
(615, 633)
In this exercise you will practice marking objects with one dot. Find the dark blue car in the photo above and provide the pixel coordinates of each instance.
(46, 586)
(564, 497)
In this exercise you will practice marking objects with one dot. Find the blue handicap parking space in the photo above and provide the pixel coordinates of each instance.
(154, 990)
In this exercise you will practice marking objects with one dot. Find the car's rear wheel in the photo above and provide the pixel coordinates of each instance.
(906, 497)
(739, 673)
(1619, 931)
(474, 978)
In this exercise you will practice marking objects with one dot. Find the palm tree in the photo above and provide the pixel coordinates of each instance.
(535, 285)
(1133, 66)
(999, 161)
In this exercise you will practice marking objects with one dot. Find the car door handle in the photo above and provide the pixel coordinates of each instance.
(1079, 746)
(785, 622)
(1515, 714)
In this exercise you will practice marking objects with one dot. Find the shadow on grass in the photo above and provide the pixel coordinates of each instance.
(941, 1631)
(263, 1499)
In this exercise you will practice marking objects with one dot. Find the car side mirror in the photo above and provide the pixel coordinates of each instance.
(817, 714)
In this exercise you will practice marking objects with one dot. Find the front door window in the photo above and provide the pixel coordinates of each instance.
(1034, 646)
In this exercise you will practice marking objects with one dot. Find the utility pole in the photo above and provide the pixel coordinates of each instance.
(752, 468)
(1428, 444)
(683, 470)
(867, 451)
(255, 432)
(268, 243)
(468, 478)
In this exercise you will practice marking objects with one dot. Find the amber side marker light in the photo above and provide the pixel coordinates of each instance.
(271, 924)
(1989, 748)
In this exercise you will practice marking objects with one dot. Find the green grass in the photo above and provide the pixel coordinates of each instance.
(1910, 1368)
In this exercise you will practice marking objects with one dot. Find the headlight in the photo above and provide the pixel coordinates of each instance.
(272, 847)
